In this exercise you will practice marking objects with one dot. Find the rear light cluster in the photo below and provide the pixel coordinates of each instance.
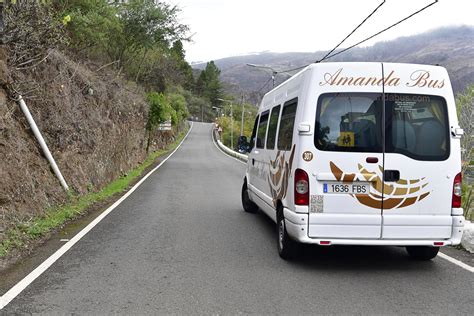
(457, 191)
(301, 187)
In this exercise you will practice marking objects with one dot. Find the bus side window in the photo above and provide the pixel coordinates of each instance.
(287, 123)
(262, 130)
(272, 127)
(254, 133)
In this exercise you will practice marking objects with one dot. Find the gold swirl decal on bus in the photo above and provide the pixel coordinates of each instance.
(279, 175)
(399, 194)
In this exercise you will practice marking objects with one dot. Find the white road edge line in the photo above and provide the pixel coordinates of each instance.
(26, 281)
(215, 144)
(456, 262)
(442, 255)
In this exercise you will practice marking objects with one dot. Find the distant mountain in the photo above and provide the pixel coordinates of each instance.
(450, 47)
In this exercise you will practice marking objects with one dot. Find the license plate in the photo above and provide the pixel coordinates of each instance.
(350, 188)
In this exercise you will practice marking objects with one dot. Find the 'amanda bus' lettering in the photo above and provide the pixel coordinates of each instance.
(337, 79)
(419, 78)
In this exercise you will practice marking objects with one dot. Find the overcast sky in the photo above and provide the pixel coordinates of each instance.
(224, 28)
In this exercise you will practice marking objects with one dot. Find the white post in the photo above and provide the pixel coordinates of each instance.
(231, 128)
(242, 121)
(43, 145)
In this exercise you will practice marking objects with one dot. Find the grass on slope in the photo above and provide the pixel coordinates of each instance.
(23, 233)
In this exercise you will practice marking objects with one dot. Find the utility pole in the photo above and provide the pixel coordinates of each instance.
(231, 128)
(242, 122)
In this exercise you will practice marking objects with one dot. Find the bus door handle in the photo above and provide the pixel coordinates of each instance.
(391, 175)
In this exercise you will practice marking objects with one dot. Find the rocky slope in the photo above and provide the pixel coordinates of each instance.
(92, 120)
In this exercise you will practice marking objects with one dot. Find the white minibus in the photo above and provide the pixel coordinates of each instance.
(359, 154)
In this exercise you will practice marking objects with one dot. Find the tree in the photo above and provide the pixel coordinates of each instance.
(147, 24)
(91, 23)
(178, 103)
(200, 82)
(185, 70)
(209, 85)
(160, 110)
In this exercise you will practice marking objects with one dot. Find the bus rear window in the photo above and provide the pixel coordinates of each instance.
(349, 122)
(417, 126)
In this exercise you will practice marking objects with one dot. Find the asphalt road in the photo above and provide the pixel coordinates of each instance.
(181, 244)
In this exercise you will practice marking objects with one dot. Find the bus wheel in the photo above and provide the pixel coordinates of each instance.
(248, 205)
(287, 247)
(422, 252)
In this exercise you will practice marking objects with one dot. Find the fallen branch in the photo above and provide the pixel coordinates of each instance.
(35, 65)
(106, 65)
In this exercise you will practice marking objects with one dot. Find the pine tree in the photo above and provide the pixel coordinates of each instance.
(209, 85)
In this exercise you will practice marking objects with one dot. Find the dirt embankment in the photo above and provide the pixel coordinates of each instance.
(92, 120)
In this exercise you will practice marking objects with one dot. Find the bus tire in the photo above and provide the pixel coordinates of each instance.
(422, 252)
(287, 247)
(247, 204)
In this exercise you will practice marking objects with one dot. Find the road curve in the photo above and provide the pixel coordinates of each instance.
(181, 244)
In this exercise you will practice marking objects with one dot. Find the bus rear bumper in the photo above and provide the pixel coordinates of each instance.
(297, 227)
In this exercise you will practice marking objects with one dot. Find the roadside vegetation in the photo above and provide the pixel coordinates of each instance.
(54, 218)
(233, 126)
(465, 108)
(139, 42)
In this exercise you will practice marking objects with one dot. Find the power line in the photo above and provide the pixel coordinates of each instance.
(385, 29)
(327, 56)
(372, 13)
(355, 29)
(288, 70)
(365, 40)
(268, 81)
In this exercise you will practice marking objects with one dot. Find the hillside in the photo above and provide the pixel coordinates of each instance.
(451, 47)
(97, 102)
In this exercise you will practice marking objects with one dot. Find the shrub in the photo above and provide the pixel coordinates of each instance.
(31, 29)
(160, 110)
